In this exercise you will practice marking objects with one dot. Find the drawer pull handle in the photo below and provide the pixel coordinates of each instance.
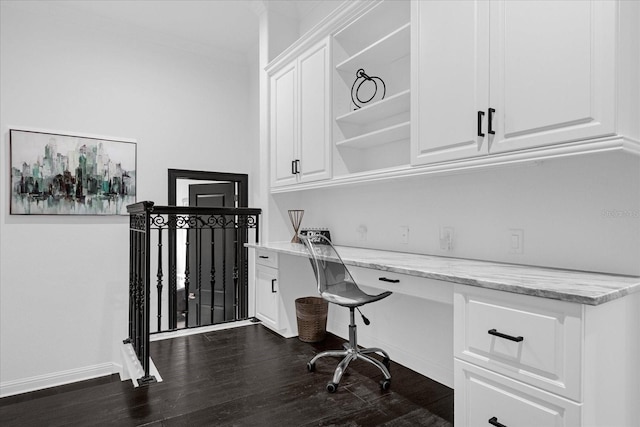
(490, 120)
(480, 116)
(273, 284)
(263, 257)
(505, 336)
(384, 279)
(494, 422)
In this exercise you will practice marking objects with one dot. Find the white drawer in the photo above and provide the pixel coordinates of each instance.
(267, 258)
(403, 283)
(481, 396)
(534, 340)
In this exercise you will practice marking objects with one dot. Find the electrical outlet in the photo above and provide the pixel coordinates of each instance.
(361, 231)
(516, 241)
(446, 238)
(404, 234)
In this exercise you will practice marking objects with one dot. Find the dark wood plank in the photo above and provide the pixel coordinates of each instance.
(245, 376)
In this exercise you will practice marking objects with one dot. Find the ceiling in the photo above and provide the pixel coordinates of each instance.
(223, 25)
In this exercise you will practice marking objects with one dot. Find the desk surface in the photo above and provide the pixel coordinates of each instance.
(566, 285)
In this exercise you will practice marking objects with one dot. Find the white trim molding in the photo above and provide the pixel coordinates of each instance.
(54, 379)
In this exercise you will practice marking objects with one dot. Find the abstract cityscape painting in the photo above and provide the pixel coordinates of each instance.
(54, 174)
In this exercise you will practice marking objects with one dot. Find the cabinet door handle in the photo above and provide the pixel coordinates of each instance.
(480, 116)
(384, 279)
(505, 336)
(494, 422)
(263, 257)
(491, 131)
(298, 166)
(293, 167)
(273, 286)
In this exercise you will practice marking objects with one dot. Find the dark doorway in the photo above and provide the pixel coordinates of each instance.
(213, 299)
(213, 290)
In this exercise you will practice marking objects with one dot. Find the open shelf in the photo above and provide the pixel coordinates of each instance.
(388, 49)
(375, 137)
(378, 137)
(382, 19)
(396, 104)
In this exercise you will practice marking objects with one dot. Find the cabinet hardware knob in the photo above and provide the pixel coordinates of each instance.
(384, 279)
(505, 336)
(494, 422)
(263, 257)
(273, 286)
(490, 120)
(480, 116)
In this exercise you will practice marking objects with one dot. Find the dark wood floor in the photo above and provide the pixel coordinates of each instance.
(244, 376)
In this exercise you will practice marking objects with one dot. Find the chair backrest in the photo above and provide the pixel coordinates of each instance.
(326, 262)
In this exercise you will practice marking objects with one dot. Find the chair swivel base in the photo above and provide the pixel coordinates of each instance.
(350, 353)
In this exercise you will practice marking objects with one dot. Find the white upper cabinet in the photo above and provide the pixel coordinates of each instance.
(450, 79)
(314, 133)
(497, 76)
(553, 72)
(451, 85)
(300, 119)
(283, 126)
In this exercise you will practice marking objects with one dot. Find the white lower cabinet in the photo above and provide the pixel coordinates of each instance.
(529, 361)
(267, 289)
(488, 398)
(529, 339)
(279, 281)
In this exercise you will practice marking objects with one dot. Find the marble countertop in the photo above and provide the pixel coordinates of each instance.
(566, 285)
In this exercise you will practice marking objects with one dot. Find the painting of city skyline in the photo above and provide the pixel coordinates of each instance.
(54, 174)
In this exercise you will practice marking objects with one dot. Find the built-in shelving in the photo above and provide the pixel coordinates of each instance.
(384, 51)
(378, 137)
(388, 107)
(378, 21)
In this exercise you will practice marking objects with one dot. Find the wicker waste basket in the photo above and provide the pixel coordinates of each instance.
(311, 314)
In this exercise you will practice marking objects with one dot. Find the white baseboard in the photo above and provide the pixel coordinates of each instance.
(39, 382)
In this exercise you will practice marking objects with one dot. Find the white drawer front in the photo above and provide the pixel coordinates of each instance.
(534, 340)
(403, 283)
(267, 258)
(481, 396)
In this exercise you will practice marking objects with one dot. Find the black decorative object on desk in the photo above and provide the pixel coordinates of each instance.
(311, 232)
(362, 78)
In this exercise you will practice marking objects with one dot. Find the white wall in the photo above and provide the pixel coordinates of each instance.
(577, 213)
(64, 280)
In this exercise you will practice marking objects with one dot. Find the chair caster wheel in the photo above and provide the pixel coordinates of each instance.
(311, 366)
(385, 385)
(332, 387)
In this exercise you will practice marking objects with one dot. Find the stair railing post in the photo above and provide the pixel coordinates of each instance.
(146, 297)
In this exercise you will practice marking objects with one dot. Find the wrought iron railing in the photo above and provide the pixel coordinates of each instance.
(185, 238)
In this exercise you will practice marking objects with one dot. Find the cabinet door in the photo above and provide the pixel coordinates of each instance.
(315, 146)
(450, 81)
(283, 126)
(552, 72)
(267, 296)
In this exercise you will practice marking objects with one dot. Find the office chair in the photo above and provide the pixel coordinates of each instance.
(336, 285)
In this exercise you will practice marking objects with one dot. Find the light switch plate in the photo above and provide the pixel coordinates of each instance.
(516, 241)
